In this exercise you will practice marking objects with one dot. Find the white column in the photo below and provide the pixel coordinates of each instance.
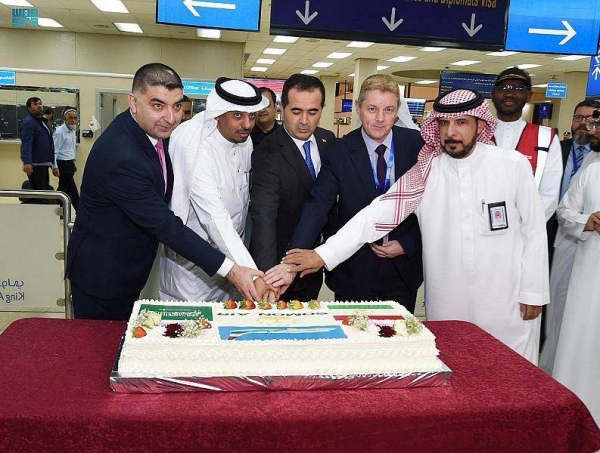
(363, 68)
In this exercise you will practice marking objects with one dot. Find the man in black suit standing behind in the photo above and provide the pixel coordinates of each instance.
(123, 212)
(358, 169)
(284, 168)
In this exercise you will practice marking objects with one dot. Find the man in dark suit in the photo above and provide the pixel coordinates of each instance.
(355, 171)
(284, 168)
(123, 212)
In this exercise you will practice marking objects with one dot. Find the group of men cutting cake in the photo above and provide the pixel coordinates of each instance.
(382, 207)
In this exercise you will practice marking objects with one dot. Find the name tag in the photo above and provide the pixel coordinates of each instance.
(498, 217)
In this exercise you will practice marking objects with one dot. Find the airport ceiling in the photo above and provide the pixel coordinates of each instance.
(81, 16)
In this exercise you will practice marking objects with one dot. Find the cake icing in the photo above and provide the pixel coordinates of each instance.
(259, 342)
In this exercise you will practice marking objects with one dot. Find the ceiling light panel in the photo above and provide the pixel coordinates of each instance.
(381, 68)
(432, 49)
(110, 6)
(258, 69)
(128, 27)
(265, 61)
(339, 55)
(572, 57)
(465, 62)
(22, 3)
(402, 59)
(322, 64)
(506, 53)
(309, 71)
(274, 51)
(47, 22)
(360, 44)
(208, 33)
(286, 39)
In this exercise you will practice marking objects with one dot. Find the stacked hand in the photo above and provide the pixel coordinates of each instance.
(266, 291)
(280, 276)
(593, 223)
(389, 249)
(303, 261)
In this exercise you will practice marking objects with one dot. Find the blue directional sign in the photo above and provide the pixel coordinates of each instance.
(556, 90)
(448, 23)
(593, 85)
(241, 15)
(193, 87)
(556, 27)
(8, 78)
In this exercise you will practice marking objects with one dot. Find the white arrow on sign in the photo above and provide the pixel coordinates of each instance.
(190, 4)
(472, 30)
(596, 72)
(568, 32)
(392, 24)
(306, 17)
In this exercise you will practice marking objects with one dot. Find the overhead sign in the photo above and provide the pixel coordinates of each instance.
(8, 78)
(593, 85)
(556, 90)
(484, 83)
(554, 27)
(195, 88)
(470, 24)
(25, 17)
(241, 15)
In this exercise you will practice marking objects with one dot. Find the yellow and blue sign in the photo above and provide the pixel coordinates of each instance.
(555, 27)
(241, 15)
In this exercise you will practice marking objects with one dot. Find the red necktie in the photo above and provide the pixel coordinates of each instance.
(161, 157)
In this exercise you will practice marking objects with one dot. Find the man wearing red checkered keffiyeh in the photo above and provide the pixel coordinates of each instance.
(482, 223)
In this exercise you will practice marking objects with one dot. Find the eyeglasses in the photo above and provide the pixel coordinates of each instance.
(580, 118)
(511, 88)
(593, 127)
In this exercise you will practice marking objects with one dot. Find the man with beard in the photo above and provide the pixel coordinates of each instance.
(582, 151)
(577, 361)
(484, 242)
(211, 165)
(539, 144)
(266, 123)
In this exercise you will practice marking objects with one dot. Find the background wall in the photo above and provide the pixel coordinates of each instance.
(100, 62)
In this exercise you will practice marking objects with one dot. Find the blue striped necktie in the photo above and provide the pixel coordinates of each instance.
(309, 162)
(578, 159)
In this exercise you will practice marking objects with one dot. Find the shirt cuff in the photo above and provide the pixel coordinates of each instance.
(534, 298)
(225, 267)
(327, 255)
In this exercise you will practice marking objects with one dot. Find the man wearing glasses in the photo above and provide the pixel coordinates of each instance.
(540, 144)
(580, 153)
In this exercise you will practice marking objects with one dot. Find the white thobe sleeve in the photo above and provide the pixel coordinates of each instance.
(206, 202)
(551, 179)
(570, 213)
(358, 231)
(534, 289)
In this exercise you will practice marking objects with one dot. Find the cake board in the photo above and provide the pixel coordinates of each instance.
(121, 384)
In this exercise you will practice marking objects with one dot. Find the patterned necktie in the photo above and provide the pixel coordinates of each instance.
(309, 162)
(381, 167)
(161, 157)
(578, 159)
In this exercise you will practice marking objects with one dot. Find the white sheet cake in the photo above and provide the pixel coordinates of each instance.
(295, 341)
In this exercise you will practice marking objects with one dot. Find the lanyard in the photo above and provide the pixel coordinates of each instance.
(575, 165)
(388, 173)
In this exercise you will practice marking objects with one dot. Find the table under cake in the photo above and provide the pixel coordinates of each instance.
(55, 396)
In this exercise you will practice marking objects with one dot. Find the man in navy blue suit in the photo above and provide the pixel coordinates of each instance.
(355, 171)
(123, 212)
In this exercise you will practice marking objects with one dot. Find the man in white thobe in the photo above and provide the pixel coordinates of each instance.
(484, 236)
(577, 363)
(584, 151)
(211, 164)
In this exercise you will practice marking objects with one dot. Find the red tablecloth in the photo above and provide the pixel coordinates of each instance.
(55, 396)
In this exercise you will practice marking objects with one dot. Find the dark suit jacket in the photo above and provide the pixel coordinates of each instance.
(347, 175)
(123, 215)
(280, 184)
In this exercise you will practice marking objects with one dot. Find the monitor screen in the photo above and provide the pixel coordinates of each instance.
(484, 83)
(416, 107)
(346, 105)
(545, 111)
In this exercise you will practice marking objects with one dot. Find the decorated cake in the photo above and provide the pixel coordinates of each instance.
(201, 339)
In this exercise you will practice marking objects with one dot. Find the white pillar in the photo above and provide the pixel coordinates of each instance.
(363, 68)
(327, 117)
